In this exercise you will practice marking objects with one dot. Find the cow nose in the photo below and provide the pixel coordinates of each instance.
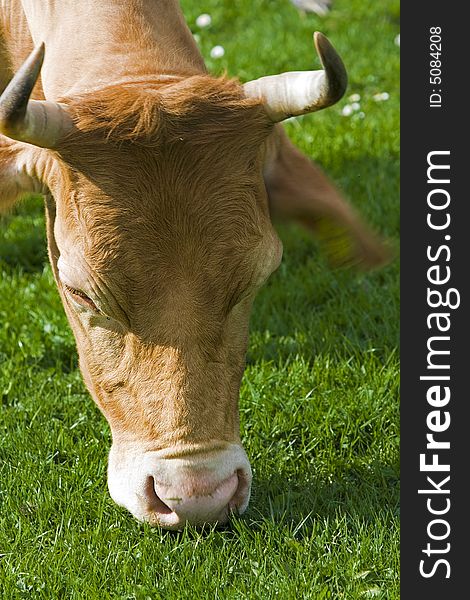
(179, 485)
(197, 502)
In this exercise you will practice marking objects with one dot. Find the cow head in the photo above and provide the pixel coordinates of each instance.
(159, 237)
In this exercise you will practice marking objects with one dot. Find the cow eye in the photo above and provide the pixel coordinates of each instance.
(80, 298)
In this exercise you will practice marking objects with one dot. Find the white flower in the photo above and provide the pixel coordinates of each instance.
(354, 97)
(347, 110)
(204, 20)
(381, 97)
(397, 40)
(355, 106)
(217, 52)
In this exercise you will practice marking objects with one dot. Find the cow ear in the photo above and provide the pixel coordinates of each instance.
(15, 178)
(299, 191)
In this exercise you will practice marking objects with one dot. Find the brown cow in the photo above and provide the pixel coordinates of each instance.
(156, 178)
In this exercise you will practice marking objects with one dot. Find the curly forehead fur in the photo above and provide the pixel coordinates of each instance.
(201, 108)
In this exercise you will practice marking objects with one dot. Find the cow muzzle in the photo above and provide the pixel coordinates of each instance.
(173, 487)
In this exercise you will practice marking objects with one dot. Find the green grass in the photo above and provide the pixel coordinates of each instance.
(319, 399)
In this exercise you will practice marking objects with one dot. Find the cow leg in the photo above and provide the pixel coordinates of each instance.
(299, 191)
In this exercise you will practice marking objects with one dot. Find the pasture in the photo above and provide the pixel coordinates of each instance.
(319, 399)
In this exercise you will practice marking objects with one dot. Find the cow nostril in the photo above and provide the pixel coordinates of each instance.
(239, 500)
(156, 505)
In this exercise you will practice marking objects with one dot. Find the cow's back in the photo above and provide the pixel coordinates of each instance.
(15, 41)
(91, 45)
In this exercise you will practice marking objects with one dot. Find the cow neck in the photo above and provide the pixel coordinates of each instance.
(92, 45)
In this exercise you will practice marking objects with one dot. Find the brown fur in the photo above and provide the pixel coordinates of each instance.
(151, 113)
(181, 138)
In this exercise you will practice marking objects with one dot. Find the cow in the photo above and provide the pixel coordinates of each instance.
(160, 182)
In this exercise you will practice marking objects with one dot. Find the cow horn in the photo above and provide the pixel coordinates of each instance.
(300, 92)
(38, 122)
